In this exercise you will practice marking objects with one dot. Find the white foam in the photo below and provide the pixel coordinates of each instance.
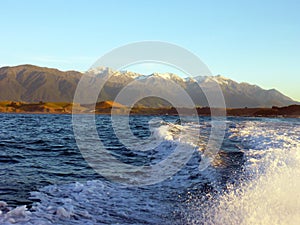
(3, 204)
(271, 194)
(12, 216)
(91, 202)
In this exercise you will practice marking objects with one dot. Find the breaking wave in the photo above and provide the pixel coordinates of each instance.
(269, 190)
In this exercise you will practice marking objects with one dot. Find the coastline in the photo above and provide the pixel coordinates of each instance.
(109, 107)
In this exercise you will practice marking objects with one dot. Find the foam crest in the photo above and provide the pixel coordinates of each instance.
(269, 191)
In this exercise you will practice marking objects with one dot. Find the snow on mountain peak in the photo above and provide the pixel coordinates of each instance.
(130, 74)
(221, 80)
(165, 76)
(100, 70)
(207, 79)
(106, 70)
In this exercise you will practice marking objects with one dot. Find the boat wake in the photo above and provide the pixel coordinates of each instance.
(268, 191)
(261, 187)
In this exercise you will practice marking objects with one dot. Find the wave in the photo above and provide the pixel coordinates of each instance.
(268, 192)
(102, 202)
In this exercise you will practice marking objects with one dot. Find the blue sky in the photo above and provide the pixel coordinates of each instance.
(253, 41)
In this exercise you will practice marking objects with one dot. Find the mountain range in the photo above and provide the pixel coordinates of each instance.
(29, 83)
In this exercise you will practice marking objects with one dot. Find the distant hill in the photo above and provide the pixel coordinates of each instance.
(33, 84)
(28, 83)
(108, 104)
(108, 107)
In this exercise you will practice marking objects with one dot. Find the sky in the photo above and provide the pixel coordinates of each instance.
(248, 41)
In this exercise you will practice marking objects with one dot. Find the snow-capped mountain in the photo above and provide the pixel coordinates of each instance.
(31, 84)
(236, 94)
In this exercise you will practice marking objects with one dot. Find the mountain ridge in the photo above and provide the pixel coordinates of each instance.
(30, 83)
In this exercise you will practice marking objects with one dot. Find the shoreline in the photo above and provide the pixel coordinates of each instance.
(109, 107)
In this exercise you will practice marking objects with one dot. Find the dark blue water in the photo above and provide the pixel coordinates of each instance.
(39, 151)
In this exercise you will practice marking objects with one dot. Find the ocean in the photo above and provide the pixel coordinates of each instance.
(253, 179)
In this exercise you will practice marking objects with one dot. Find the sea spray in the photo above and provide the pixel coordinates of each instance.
(268, 192)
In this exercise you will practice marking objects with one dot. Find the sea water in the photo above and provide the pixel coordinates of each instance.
(254, 178)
